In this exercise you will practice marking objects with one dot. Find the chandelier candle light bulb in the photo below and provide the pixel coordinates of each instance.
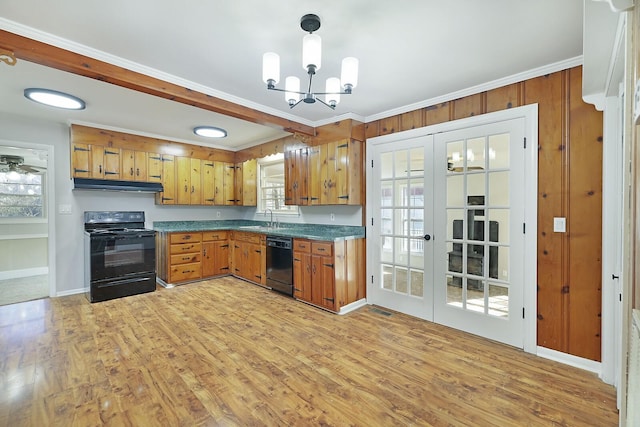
(311, 62)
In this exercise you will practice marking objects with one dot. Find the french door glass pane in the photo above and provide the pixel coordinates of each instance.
(499, 188)
(499, 151)
(402, 165)
(386, 165)
(387, 276)
(455, 190)
(498, 300)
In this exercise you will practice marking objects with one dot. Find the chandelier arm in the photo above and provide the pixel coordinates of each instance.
(299, 101)
(284, 90)
(328, 105)
(310, 80)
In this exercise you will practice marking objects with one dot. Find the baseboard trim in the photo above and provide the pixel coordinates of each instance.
(353, 306)
(26, 272)
(568, 359)
(71, 292)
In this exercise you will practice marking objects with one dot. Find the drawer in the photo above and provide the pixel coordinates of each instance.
(249, 237)
(180, 273)
(301, 246)
(185, 258)
(186, 248)
(322, 248)
(208, 236)
(185, 237)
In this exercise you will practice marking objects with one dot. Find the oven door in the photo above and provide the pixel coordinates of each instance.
(121, 255)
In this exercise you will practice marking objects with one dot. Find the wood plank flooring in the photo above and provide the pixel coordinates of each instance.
(225, 352)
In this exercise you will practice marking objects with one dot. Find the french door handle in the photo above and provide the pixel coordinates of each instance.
(427, 237)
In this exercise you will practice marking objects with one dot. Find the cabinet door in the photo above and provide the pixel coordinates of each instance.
(81, 161)
(302, 276)
(342, 173)
(255, 253)
(111, 163)
(328, 283)
(238, 183)
(97, 161)
(168, 195)
(195, 195)
(208, 186)
(128, 158)
(183, 179)
(208, 259)
(237, 257)
(316, 279)
(302, 177)
(331, 194)
(228, 184)
(218, 181)
(221, 257)
(250, 182)
(314, 168)
(140, 173)
(154, 167)
(289, 177)
(322, 171)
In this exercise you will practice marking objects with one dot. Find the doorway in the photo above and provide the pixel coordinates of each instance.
(447, 235)
(25, 223)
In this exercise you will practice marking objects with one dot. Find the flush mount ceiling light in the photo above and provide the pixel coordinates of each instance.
(53, 98)
(311, 61)
(210, 132)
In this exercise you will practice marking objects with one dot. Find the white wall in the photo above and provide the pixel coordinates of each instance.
(69, 233)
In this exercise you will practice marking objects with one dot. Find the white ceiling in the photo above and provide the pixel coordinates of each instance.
(410, 52)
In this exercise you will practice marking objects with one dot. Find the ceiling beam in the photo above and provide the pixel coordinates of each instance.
(30, 50)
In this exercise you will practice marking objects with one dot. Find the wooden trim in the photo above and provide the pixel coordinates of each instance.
(65, 60)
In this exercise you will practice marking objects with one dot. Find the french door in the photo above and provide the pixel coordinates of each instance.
(447, 228)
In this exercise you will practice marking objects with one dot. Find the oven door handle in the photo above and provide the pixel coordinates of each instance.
(122, 282)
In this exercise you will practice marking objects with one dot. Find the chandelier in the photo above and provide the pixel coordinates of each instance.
(311, 61)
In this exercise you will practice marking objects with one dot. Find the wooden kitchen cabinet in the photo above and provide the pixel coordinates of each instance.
(215, 253)
(326, 174)
(134, 165)
(154, 167)
(296, 169)
(249, 257)
(208, 183)
(95, 161)
(329, 275)
(302, 269)
(185, 251)
(248, 183)
(224, 183)
(168, 195)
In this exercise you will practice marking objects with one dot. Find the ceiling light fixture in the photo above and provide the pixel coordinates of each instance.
(53, 98)
(210, 132)
(311, 61)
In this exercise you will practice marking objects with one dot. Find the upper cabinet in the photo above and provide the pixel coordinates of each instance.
(326, 174)
(196, 176)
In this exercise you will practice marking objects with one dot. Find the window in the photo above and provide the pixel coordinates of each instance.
(21, 195)
(271, 186)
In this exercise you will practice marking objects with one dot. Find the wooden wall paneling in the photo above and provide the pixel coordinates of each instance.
(439, 113)
(547, 92)
(468, 106)
(371, 129)
(412, 120)
(389, 125)
(504, 97)
(584, 223)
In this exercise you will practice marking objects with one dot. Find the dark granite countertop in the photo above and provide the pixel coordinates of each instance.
(304, 231)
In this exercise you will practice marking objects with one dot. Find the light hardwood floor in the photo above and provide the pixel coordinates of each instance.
(225, 352)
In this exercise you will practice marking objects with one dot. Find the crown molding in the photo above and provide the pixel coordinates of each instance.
(505, 81)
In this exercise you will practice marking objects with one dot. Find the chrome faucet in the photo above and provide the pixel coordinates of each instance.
(270, 224)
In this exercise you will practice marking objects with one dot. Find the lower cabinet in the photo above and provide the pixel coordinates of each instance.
(249, 256)
(215, 253)
(186, 255)
(329, 274)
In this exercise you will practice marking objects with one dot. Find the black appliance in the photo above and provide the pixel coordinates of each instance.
(120, 255)
(280, 264)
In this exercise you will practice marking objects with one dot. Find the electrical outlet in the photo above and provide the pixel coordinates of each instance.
(217, 214)
(333, 217)
(64, 209)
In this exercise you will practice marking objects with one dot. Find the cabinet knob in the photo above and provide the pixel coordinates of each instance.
(427, 237)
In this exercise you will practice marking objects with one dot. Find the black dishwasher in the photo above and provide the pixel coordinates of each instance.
(280, 264)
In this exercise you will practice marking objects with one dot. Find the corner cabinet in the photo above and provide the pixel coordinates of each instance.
(327, 274)
(326, 174)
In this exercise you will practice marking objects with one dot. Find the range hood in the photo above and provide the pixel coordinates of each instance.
(112, 185)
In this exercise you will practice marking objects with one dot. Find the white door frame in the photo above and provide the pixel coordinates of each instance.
(530, 114)
(50, 205)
